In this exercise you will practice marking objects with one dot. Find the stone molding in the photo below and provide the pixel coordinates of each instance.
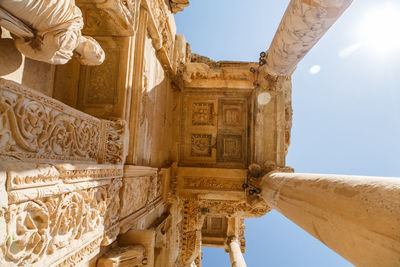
(38, 128)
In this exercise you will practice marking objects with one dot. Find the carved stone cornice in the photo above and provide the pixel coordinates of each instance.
(38, 128)
(228, 208)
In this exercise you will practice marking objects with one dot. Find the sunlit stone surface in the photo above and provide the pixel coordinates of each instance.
(158, 151)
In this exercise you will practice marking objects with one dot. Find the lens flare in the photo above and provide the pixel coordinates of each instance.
(379, 29)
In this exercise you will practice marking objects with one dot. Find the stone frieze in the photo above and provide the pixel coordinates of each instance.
(38, 128)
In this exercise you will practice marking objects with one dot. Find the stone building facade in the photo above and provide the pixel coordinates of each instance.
(156, 152)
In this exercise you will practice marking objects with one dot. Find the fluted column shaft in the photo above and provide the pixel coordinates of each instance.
(303, 24)
(356, 216)
(235, 254)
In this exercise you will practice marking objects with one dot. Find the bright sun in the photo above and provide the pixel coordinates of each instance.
(380, 29)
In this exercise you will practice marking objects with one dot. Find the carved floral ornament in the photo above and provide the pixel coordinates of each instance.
(37, 229)
(36, 127)
(48, 219)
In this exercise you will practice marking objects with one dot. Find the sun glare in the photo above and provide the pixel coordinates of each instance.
(380, 29)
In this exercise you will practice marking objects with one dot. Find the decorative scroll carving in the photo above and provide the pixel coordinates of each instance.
(39, 228)
(115, 135)
(63, 215)
(111, 217)
(133, 255)
(38, 128)
(132, 202)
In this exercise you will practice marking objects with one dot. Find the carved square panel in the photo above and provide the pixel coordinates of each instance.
(230, 147)
(201, 145)
(232, 114)
(216, 224)
(202, 113)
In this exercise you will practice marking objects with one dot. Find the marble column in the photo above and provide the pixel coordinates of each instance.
(235, 254)
(358, 217)
(303, 24)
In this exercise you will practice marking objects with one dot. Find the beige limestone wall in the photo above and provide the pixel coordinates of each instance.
(155, 119)
(16, 67)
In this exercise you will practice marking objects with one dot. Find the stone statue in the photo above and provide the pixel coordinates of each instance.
(49, 31)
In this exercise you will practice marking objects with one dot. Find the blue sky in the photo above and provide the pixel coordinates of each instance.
(345, 115)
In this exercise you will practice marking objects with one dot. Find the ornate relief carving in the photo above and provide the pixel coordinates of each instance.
(73, 173)
(39, 228)
(115, 141)
(203, 114)
(34, 127)
(43, 175)
(59, 217)
(38, 128)
(132, 202)
(211, 183)
(201, 145)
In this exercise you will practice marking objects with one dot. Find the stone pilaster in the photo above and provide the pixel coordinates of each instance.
(357, 217)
